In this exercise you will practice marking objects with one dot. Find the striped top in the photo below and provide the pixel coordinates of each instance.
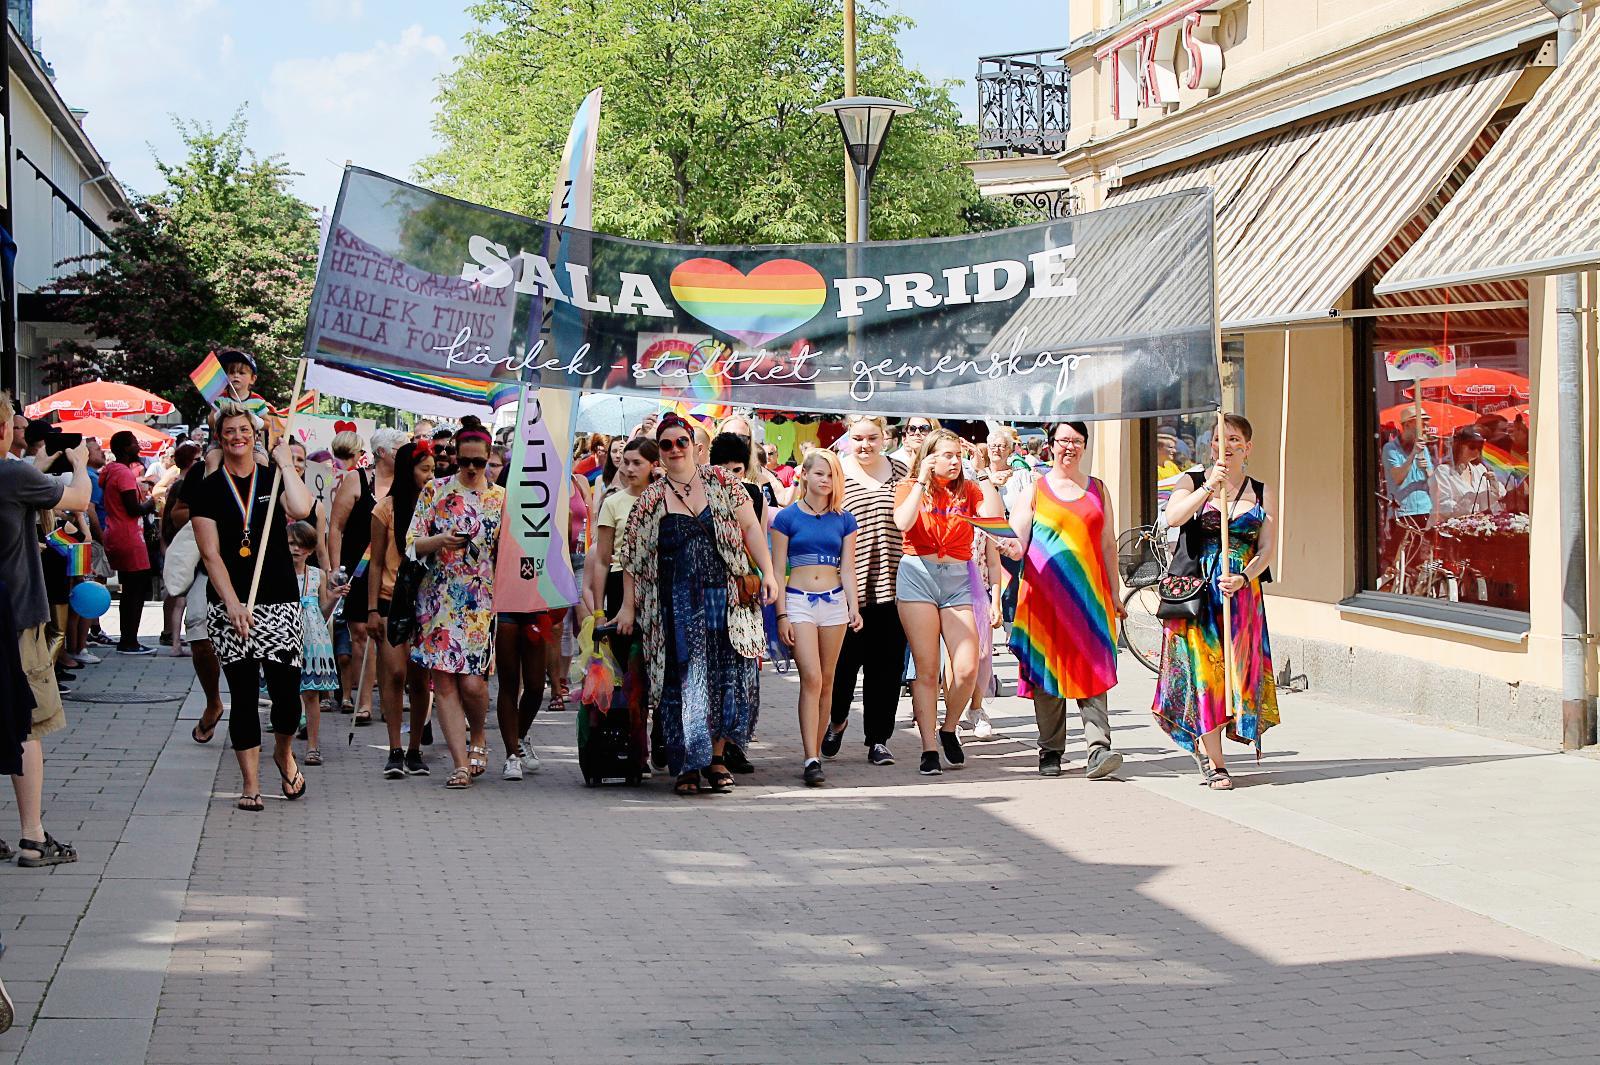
(878, 541)
(1065, 633)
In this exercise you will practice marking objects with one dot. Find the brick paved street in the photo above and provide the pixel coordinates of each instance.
(979, 916)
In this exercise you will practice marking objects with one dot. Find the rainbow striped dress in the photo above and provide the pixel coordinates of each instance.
(1065, 635)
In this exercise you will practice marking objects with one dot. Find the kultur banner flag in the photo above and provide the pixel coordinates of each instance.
(1108, 314)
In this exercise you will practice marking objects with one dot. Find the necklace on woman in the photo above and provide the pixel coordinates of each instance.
(806, 508)
(245, 509)
(681, 491)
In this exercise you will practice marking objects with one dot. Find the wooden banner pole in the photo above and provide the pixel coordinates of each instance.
(1225, 500)
(277, 481)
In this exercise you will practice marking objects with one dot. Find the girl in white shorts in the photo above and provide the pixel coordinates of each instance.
(814, 541)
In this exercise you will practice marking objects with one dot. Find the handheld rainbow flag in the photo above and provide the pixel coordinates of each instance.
(1509, 467)
(999, 527)
(209, 378)
(76, 554)
(361, 567)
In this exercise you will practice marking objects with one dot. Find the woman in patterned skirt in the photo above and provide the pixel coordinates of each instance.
(229, 512)
(1191, 704)
(1065, 633)
(686, 555)
(456, 526)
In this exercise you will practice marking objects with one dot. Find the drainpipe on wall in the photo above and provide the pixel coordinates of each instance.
(1577, 709)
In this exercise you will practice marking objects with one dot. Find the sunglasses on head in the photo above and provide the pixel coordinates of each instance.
(673, 443)
(472, 464)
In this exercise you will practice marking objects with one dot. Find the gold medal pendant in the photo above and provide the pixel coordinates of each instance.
(244, 550)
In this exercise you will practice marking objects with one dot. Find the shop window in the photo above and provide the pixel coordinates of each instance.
(1178, 444)
(1449, 470)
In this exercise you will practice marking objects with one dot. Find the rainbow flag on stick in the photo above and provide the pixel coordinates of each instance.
(76, 554)
(209, 378)
(998, 527)
(1510, 468)
(361, 567)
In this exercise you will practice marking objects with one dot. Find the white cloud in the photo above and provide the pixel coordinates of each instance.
(372, 107)
(338, 10)
(131, 63)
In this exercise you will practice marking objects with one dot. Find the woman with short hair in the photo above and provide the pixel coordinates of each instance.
(127, 502)
(687, 571)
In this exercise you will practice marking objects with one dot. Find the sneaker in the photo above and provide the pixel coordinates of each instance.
(88, 659)
(65, 675)
(512, 770)
(952, 748)
(982, 728)
(415, 766)
(63, 690)
(879, 755)
(427, 733)
(135, 649)
(813, 775)
(1049, 763)
(1102, 763)
(832, 741)
(395, 767)
(530, 761)
(967, 720)
(99, 637)
(930, 764)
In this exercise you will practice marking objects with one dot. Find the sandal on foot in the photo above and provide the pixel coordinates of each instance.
(459, 778)
(251, 803)
(1218, 779)
(201, 726)
(718, 779)
(51, 852)
(364, 716)
(687, 784)
(477, 760)
(292, 788)
(313, 756)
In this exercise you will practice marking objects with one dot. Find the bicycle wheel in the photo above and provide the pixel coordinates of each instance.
(1143, 634)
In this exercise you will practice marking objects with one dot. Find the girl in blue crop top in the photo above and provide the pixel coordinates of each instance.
(814, 543)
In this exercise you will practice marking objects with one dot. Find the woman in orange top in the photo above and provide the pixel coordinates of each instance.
(932, 587)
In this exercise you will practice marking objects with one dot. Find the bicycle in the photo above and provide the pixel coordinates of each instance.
(1143, 557)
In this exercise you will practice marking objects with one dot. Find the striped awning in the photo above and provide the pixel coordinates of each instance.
(1303, 212)
(1533, 207)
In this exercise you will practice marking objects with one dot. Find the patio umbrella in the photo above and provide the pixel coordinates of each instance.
(99, 399)
(1512, 413)
(151, 441)
(1444, 418)
(1476, 384)
(613, 414)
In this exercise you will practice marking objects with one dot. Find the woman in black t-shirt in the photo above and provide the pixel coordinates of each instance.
(229, 512)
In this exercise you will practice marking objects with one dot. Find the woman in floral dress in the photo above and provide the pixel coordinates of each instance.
(1192, 704)
(455, 528)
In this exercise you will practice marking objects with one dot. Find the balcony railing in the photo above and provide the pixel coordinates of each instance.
(1022, 104)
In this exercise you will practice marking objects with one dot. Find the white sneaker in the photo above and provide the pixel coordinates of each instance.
(530, 761)
(967, 720)
(88, 659)
(983, 728)
(513, 769)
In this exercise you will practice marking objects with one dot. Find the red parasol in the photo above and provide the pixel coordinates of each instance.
(99, 399)
(151, 441)
(1475, 384)
(1443, 418)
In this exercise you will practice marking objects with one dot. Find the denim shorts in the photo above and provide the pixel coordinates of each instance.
(817, 608)
(944, 584)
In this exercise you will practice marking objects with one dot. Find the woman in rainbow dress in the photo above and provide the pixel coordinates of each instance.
(1065, 634)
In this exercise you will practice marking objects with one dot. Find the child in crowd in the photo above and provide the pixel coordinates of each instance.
(319, 673)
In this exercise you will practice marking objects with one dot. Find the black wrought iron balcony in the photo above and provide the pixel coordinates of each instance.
(1022, 103)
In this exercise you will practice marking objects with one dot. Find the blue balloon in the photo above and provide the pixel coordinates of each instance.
(90, 600)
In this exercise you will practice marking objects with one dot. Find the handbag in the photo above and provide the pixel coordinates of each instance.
(402, 623)
(182, 562)
(1182, 590)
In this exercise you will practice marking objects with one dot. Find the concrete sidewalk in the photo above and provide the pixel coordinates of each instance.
(1500, 829)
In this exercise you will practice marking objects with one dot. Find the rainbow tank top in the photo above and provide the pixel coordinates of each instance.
(1065, 635)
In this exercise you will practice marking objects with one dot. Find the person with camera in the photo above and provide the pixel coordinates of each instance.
(24, 492)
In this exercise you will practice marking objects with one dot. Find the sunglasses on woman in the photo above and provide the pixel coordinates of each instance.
(472, 464)
(918, 428)
(673, 443)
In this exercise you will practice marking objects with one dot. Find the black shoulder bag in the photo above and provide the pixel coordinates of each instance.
(402, 621)
(1183, 590)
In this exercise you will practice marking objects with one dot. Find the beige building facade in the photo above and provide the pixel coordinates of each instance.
(1417, 572)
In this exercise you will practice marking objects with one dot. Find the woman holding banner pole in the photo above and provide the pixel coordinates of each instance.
(456, 526)
(1192, 701)
(254, 626)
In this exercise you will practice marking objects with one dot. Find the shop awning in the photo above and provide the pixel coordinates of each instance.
(1533, 206)
(1302, 213)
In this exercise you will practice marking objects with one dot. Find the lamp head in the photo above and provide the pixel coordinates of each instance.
(864, 121)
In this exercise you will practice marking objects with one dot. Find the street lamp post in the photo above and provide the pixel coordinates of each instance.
(864, 121)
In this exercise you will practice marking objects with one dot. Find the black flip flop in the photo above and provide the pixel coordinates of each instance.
(194, 733)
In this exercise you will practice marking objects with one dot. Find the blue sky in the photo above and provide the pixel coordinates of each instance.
(330, 80)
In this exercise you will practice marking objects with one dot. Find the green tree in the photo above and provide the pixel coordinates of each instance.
(707, 129)
(224, 255)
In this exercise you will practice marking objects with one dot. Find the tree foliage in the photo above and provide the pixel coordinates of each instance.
(707, 129)
(225, 254)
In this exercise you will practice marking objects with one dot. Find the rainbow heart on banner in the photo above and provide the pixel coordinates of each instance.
(775, 298)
